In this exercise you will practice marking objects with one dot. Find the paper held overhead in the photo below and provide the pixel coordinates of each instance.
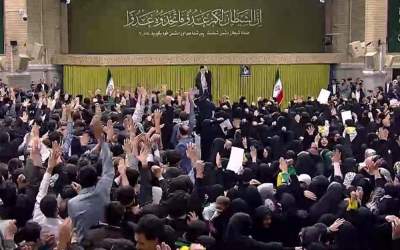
(235, 163)
(324, 96)
(346, 115)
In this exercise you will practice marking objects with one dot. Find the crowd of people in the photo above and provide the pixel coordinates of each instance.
(148, 170)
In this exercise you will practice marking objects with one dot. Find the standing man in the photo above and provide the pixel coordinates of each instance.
(345, 90)
(333, 87)
(42, 86)
(203, 82)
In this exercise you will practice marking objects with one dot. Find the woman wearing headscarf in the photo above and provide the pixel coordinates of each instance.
(239, 205)
(264, 154)
(265, 229)
(267, 191)
(218, 146)
(346, 238)
(277, 147)
(208, 133)
(290, 219)
(238, 233)
(305, 164)
(328, 202)
(266, 173)
(252, 197)
(318, 185)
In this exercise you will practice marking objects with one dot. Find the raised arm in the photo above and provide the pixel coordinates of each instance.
(107, 176)
(192, 117)
(69, 135)
(44, 185)
(140, 105)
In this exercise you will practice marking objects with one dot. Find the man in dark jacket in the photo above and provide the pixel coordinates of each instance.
(8, 149)
(203, 82)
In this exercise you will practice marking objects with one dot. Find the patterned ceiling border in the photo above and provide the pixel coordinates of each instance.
(196, 59)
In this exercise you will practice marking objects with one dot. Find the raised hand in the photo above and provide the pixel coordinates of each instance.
(191, 152)
(317, 139)
(144, 153)
(218, 161)
(109, 130)
(391, 218)
(163, 246)
(310, 130)
(155, 139)
(157, 114)
(65, 234)
(10, 230)
(26, 103)
(84, 139)
(396, 229)
(310, 195)
(143, 93)
(253, 153)
(35, 131)
(254, 182)
(192, 217)
(54, 156)
(227, 144)
(132, 128)
(199, 166)
(128, 147)
(76, 187)
(335, 226)
(122, 167)
(383, 134)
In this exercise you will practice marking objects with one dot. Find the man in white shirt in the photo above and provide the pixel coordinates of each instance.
(45, 212)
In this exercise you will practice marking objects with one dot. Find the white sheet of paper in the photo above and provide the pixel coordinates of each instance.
(235, 163)
(346, 115)
(44, 152)
(225, 126)
(324, 96)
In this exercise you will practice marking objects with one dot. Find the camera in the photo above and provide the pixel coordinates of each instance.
(25, 17)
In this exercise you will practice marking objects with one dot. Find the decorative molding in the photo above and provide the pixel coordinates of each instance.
(350, 66)
(42, 67)
(196, 59)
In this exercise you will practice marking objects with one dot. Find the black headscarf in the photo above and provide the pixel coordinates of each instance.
(346, 238)
(305, 165)
(239, 225)
(214, 191)
(318, 185)
(239, 205)
(328, 203)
